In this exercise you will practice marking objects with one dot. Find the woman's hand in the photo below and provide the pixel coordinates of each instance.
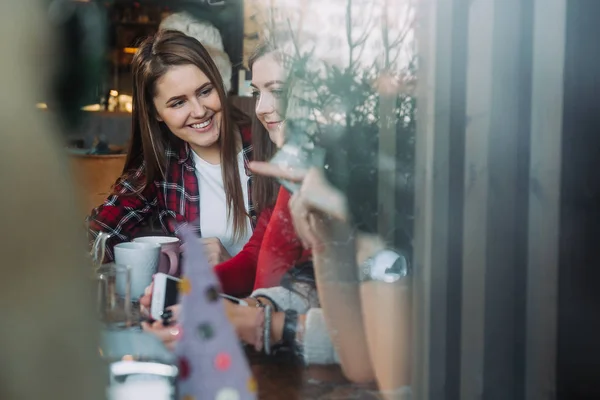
(215, 252)
(316, 191)
(246, 322)
(319, 211)
(146, 300)
(213, 249)
(167, 334)
(249, 324)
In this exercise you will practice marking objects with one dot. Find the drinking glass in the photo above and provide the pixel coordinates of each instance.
(114, 295)
(140, 366)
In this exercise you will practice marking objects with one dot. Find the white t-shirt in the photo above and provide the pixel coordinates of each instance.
(213, 204)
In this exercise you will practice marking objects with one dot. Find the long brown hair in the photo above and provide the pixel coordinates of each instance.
(151, 138)
(264, 189)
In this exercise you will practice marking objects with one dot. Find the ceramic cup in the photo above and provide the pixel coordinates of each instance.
(169, 252)
(143, 259)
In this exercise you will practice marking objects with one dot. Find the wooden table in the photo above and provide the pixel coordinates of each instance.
(284, 377)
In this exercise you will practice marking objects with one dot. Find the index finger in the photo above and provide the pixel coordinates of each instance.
(321, 195)
(277, 171)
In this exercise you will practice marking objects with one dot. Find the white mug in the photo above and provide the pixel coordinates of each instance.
(143, 259)
(169, 253)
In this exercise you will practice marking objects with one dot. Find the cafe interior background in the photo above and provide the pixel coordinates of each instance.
(508, 316)
(98, 145)
(105, 127)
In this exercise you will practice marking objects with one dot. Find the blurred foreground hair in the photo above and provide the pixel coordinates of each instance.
(49, 336)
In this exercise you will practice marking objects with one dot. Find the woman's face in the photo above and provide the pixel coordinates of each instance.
(268, 79)
(188, 103)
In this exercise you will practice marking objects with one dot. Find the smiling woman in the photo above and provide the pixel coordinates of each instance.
(188, 154)
(268, 88)
(188, 104)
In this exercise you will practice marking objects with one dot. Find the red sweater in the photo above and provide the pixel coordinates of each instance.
(273, 249)
(281, 249)
(237, 274)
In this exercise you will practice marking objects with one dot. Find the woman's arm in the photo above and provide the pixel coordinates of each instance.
(122, 212)
(332, 240)
(238, 273)
(311, 331)
(281, 249)
(319, 214)
(339, 293)
(386, 305)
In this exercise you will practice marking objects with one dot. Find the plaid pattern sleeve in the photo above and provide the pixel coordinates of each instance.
(122, 212)
(179, 195)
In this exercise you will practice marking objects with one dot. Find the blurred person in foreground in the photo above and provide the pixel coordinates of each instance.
(48, 348)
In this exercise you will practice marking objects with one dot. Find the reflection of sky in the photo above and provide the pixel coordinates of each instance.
(322, 25)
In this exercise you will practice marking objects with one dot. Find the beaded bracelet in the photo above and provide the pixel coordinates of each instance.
(267, 330)
(260, 324)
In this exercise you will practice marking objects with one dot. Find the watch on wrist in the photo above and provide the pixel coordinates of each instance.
(384, 266)
(289, 327)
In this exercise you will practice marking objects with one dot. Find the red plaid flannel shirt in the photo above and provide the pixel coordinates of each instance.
(176, 200)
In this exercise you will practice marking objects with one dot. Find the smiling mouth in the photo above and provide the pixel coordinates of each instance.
(202, 126)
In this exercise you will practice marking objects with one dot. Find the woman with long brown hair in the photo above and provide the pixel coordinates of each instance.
(274, 248)
(188, 154)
